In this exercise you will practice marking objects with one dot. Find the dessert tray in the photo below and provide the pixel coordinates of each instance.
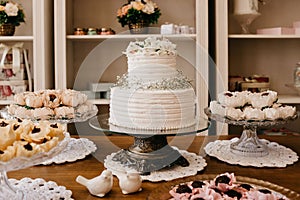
(196, 163)
(278, 156)
(23, 162)
(39, 189)
(249, 148)
(150, 153)
(78, 117)
(162, 192)
(76, 149)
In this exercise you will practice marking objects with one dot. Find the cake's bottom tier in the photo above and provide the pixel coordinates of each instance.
(152, 109)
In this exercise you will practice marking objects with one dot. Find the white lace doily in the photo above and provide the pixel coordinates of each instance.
(197, 163)
(39, 189)
(279, 156)
(76, 149)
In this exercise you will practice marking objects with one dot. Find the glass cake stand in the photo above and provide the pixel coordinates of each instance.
(150, 151)
(9, 192)
(249, 144)
(78, 117)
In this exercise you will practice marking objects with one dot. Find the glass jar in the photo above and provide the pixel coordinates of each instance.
(297, 75)
(79, 31)
(92, 31)
(106, 31)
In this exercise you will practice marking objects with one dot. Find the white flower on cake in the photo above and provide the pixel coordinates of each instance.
(151, 46)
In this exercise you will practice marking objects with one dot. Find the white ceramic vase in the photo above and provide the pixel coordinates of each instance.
(245, 12)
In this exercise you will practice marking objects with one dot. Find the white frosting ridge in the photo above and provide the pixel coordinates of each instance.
(152, 67)
(152, 109)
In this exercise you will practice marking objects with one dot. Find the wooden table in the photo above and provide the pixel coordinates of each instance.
(91, 166)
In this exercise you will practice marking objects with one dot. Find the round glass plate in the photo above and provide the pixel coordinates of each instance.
(162, 192)
(9, 192)
(255, 123)
(24, 162)
(101, 123)
(79, 117)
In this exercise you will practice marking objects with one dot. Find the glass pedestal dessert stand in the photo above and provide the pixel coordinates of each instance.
(249, 144)
(150, 151)
(9, 192)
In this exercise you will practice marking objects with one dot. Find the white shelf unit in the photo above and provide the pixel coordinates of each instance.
(73, 53)
(37, 35)
(250, 54)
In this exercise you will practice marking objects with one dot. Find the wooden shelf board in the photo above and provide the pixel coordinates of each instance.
(16, 38)
(260, 36)
(126, 36)
(5, 102)
(289, 99)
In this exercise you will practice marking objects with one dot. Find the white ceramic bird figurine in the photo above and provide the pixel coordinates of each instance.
(99, 185)
(130, 182)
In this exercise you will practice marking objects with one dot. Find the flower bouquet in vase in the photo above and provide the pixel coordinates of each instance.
(11, 15)
(138, 15)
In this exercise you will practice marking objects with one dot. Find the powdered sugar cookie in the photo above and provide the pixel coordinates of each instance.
(7, 137)
(232, 99)
(33, 100)
(52, 98)
(8, 153)
(64, 112)
(73, 98)
(26, 149)
(38, 134)
(43, 113)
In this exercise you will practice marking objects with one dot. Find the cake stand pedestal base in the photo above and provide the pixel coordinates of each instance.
(149, 154)
(249, 144)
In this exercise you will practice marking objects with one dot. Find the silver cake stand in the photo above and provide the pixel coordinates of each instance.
(150, 151)
(249, 144)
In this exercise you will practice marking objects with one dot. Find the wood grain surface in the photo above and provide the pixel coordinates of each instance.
(65, 174)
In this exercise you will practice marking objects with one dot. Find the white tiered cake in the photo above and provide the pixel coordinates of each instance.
(153, 95)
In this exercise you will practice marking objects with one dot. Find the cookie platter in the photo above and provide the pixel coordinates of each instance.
(63, 106)
(163, 191)
(23, 154)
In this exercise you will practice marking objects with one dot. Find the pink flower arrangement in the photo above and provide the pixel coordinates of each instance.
(11, 13)
(137, 11)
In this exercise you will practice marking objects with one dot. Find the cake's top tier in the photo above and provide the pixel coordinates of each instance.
(151, 46)
(151, 60)
(152, 66)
